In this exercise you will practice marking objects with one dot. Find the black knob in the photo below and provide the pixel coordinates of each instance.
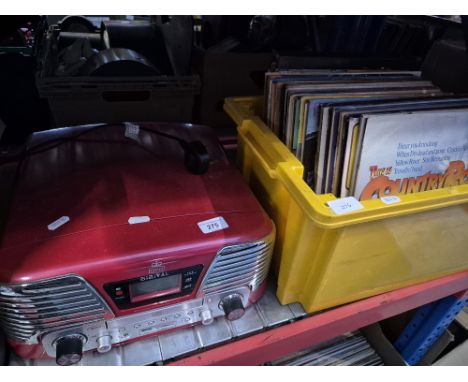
(69, 350)
(197, 159)
(233, 307)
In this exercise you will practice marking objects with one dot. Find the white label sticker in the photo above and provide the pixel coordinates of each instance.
(138, 219)
(213, 225)
(132, 131)
(58, 223)
(344, 205)
(390, 199)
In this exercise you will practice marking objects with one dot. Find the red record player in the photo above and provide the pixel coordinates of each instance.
(118, 232)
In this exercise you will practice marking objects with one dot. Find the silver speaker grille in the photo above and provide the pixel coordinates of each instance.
(239, 265)
(28, 310)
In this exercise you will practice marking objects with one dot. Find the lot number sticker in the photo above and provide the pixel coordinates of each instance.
(213, 225)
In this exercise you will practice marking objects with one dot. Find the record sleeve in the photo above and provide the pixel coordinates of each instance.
(416, 101)
(308, 129)
(275, 83)
(351, 136)
(395, 106)
(411, 152)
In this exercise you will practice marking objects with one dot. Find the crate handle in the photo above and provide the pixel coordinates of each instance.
(126, 96)
(256, 147)
(239, 108)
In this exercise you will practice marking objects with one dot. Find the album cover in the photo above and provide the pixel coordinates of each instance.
(310, 132)
(308, 111)
(275, 83)
(417, 104)
(350, 136)
(409, 152)
(306, 127)
(410, 101)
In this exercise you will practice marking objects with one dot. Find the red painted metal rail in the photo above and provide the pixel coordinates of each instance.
(289, 338)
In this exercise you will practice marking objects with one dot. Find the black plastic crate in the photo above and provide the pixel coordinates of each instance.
(84, 99)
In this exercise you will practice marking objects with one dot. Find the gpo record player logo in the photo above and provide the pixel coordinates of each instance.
(157, 268)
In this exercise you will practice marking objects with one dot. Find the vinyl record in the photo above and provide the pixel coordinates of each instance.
(140, 36)
(76, 24)
(68, 38)
(118, 63)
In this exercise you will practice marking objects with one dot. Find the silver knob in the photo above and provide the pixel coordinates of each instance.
(104, 343)
(206, 317)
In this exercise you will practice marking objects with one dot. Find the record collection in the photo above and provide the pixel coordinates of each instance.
(369, 134)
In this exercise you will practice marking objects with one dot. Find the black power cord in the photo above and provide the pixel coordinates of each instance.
(196, 155)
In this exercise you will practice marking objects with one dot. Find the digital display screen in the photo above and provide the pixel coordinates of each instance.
(156, 287)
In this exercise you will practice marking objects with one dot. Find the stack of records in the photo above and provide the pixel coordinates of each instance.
(350, 349)
(369, 134)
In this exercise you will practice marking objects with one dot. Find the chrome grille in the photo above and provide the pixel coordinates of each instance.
(28, 310)
(239, 265)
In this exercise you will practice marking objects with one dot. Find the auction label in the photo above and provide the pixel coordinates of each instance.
(213, 225)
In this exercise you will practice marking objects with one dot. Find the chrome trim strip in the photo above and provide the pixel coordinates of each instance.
(87, 309)
(35, 298)
(36, 310)
(34, 290)
(38, 304)
(29, 310)
(239, 265)
(153, 321)
(225, 261)
(251, 272)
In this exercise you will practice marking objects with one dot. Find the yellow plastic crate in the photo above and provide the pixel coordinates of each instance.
(323, 259)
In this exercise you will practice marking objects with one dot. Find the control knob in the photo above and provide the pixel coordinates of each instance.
(206, 317)
(104, 343)
(232, 306)
(69, 349)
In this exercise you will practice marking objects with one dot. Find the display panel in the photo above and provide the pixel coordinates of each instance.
(154, 288)
(125, 293)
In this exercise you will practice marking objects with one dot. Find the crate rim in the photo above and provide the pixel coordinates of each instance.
(290, 170)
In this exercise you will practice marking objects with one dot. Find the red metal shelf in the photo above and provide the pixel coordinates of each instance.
(278, 342)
